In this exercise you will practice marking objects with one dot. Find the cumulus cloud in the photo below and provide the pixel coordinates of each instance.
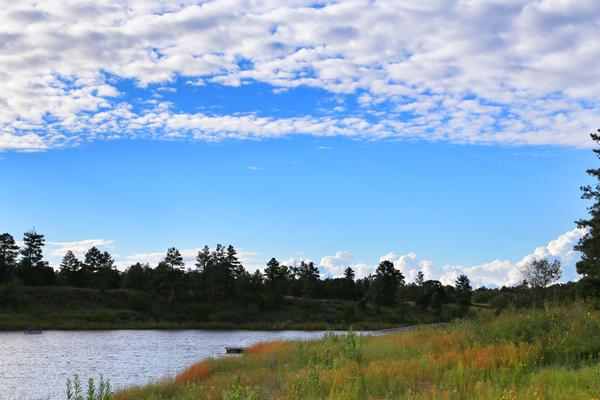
(334, 266)
(410, 265)
(506, 273)
(495, 273)
(478, 71)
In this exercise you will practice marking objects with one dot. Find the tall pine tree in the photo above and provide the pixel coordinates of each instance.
(589, 244)
(8, 256)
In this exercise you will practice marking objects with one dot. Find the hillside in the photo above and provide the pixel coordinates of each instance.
(544, 354)
(75, 308)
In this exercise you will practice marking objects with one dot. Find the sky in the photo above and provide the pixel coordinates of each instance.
(446, 136)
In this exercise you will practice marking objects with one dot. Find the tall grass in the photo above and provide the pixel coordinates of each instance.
(541, 354)
(75, 389)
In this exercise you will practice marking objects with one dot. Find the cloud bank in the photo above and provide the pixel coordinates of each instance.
(493, 273)
(464, 71)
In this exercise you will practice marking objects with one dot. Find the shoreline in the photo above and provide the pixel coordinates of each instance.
(358, 327)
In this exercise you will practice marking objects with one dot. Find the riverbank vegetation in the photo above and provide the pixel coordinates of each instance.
(544, 353)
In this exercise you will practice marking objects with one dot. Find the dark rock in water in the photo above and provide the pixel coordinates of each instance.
(33, 331)
(235, 350)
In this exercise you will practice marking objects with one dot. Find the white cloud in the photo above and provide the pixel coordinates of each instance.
(410, 265)
(334, 266)
(26, 142)
(493, 273)
(79, 248)
(516, 72)
(504, 272)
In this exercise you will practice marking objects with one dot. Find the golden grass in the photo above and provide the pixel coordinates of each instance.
(198, 371)
(269, 347)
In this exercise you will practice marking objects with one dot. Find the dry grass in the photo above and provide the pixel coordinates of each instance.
(269, 347)
(198, 371)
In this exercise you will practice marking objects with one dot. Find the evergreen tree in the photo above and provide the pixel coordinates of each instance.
(308, 275)
(107, 275)
(386, 283)
(203, 259)
(275, 282)
(173, 259)
(589, 244)
(32, 269)
(70, 270)
(32, 250)
(138, 277)
(273, 273)
(8, 256)
(349, 284)
(349, 274)
(98, 270)
(420, 279)
(216, 274)
(233, 263)
(463, 293)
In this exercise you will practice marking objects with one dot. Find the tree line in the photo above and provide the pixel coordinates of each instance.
(219, 275)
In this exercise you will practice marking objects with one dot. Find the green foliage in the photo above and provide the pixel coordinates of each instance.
(539, 273)
(239, 392)
(386, 283)
(102, 391)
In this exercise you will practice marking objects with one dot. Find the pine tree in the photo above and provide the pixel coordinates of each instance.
(32, 251)
(463, 293)
(349, 274)
(8, 256)
(70, 269)
(234, 264)
(420, 279)
(203, 259)
(589, 244)
(273, 274)
(174, 259)
(32, 269)
(308, 274)
(386, 283)
(349, 285)
(275, 282)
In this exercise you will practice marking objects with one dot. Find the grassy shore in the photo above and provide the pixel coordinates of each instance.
(543, 354)
(77, 309)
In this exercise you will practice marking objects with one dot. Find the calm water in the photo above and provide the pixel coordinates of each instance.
(36, 367)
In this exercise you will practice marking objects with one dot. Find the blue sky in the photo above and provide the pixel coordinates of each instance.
(447, 137)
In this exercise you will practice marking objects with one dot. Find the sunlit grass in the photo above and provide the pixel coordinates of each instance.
(543, 354)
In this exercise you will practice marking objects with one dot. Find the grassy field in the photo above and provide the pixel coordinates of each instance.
(543, 354)
(73, 308)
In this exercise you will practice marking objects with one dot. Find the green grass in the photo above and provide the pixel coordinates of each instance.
(73, 308)
(542, 354)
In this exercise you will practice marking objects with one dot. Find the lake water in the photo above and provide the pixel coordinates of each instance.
(36, 367)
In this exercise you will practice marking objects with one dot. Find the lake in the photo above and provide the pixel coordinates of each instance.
(34, 367)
